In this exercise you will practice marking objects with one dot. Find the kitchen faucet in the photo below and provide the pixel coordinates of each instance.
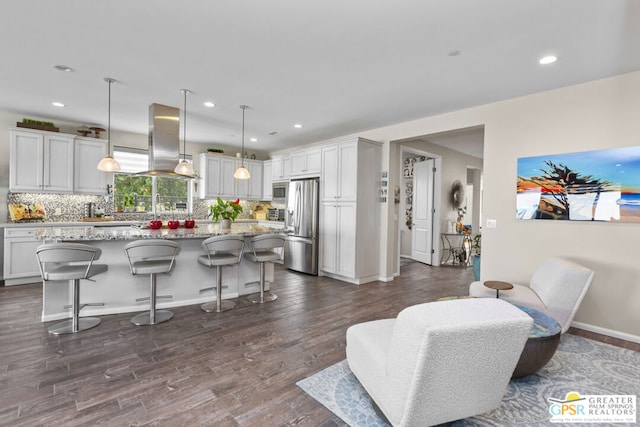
(155, 205)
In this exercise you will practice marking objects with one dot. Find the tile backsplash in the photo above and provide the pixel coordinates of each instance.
(71, 207)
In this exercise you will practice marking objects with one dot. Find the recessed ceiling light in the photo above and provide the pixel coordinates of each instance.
(297, 126)
(209, 104)
(254, 140)
(57, 104)
(549, 59)
(273, 133)
(64, 68)
(454, 53)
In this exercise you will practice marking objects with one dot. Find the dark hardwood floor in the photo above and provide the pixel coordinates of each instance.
(220, 369)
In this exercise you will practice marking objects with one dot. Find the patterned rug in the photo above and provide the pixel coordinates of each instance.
(580, 365)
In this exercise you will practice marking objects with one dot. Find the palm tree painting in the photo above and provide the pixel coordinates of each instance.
(601, 185)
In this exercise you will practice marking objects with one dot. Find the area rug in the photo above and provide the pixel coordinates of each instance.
(580, 365)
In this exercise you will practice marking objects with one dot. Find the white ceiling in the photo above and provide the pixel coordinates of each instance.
(337, 67)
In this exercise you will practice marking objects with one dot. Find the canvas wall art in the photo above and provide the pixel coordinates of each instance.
(600, 185)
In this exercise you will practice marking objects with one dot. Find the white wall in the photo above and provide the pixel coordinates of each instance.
(594, 115)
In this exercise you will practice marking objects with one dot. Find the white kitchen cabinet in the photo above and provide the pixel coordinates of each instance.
(41, 162)
(340, 171)
(350, 213)
(216, 176)
(87, 154)
(306, 163)
(250, 189)
(267, 181)
(280, 168)
(20, 264)
(338, 237)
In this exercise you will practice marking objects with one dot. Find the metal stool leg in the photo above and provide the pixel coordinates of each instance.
(219, 305)
(153, 316)
(76, 323)
(263, 296)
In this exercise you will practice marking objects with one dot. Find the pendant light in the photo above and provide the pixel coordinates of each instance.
(242, 172)
(184, 167)
(108, 163)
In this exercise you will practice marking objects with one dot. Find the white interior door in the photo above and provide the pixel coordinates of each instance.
(422, 226)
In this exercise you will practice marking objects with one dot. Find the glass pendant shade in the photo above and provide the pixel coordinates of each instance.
(242, 172)
(184, 168)
(108, 163)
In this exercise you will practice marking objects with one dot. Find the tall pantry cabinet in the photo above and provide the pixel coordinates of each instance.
(350, 210)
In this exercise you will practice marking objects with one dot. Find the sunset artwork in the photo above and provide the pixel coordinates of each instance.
(600, 185)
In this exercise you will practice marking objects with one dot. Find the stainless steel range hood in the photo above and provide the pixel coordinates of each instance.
(164, 141)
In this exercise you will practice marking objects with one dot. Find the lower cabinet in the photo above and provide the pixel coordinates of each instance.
(20, 264)
(338, 239)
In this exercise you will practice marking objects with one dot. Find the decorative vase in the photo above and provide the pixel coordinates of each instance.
(476, 267)
(225, 224)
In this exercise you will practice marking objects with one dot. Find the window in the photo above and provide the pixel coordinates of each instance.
(139, 193)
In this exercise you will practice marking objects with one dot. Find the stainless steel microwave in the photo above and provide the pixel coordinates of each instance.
(279, 192)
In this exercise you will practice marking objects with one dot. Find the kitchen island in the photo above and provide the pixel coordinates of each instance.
(118, 289)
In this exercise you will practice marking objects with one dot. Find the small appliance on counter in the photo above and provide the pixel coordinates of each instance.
(275, 214)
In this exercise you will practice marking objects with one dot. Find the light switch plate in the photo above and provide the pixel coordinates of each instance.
(58, 211)
(491, 223)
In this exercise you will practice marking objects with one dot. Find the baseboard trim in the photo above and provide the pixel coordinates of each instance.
(608, 332)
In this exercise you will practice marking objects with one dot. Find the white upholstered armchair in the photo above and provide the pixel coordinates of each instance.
(556, 288)
(440, 361)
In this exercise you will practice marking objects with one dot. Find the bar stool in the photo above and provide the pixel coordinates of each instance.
(220, 251)
(72, 262)
(152, 257)
(263, 250)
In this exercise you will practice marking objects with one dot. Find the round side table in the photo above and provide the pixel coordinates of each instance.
(498, 286)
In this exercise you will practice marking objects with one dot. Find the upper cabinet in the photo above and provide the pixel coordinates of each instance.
(87, 154)
(340, 172)
(280, 168)
(306, 163)
(250, 189)
(54, 162)
(216, 176)
(267, 181)
(41, 162)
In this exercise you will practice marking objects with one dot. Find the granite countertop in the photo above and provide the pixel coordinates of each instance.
(133, 232)
(40, 224)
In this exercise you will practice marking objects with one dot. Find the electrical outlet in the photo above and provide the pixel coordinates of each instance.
(491, 223)
(58, 211)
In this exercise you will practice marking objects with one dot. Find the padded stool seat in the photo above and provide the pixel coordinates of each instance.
(220, 251)
(73, 262)
(263, 250)
(152, 257)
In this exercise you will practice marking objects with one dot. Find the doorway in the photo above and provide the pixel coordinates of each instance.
(458, 156)
(418, 225)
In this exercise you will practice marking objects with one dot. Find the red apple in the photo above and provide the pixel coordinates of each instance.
(173, 224)
(155, 224)
(189, 223)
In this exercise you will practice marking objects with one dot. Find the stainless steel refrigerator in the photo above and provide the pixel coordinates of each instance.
(301, 225)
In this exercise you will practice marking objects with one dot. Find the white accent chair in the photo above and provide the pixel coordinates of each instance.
(557, 288)
(440, 361)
